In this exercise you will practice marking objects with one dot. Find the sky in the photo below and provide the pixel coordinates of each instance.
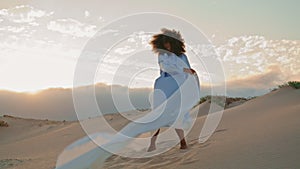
(257, 41)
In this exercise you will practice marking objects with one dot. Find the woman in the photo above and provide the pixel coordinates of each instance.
(176, 92)
(167, 45)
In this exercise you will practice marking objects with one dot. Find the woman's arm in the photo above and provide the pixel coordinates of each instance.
(185, 59)
(188, 69)
(173, 64)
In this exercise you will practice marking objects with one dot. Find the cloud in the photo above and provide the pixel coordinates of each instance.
(13, 29)
(72, 27)
(272, 77)
(257, 84)
(256, 53)
(25, 17)
(86, 13)
(124, 50)
(23, 14)
(21, 21)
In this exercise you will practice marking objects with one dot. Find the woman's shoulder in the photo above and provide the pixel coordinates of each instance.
(162, 55)
(166, 56)
(183, 55)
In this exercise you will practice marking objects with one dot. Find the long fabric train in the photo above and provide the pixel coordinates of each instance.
(170, 109)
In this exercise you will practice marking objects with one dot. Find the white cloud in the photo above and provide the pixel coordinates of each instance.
(271, 77)
(283, 59)
(105, 32)
(86, 13)
(13, 29)
(257, 53)
(131, 39)
(232, 41)
(241, 59)
(21, 21)
(72, 27)
(124, 50)
(23, 14)
(100, 18)
(34, 24)
(4, 12)
(143, 37)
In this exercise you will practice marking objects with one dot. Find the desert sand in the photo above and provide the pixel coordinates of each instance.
(261, 133)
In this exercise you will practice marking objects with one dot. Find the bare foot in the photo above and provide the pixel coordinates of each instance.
(151, 148)
(183, 147)
(183, 144)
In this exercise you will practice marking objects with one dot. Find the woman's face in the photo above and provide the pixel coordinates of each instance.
(167, 45)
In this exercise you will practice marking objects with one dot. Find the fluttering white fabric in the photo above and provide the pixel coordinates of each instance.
(175, 93)
(171, 77)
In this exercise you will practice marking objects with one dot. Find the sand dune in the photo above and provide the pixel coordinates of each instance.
(261, 133)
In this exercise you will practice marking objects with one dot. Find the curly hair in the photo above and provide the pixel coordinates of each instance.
(168, 36)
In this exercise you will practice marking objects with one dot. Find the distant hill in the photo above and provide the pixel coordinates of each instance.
(57, 103)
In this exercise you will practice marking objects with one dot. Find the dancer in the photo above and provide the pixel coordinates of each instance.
(175, 93)
(167, 45)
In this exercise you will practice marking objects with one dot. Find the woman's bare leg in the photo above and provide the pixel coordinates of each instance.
(180, 134)
(152, 146)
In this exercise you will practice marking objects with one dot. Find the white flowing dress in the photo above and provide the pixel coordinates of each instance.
(175, 93)
(171, 77)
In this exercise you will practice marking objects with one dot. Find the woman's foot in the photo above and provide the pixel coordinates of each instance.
(183, 144)
(180, 134)
(152, 146)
